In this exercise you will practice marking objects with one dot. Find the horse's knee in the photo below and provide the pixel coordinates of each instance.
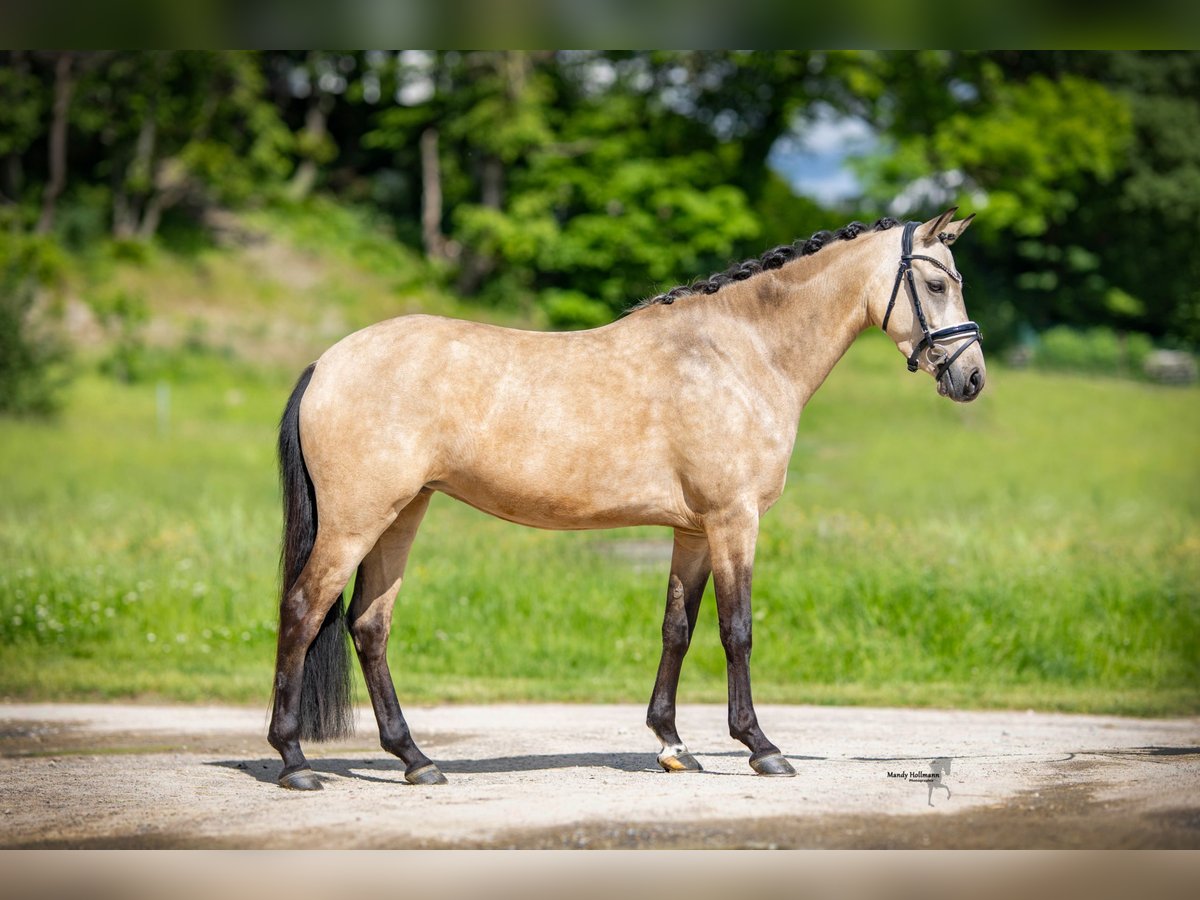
(736, 640)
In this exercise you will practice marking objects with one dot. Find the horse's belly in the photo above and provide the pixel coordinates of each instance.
(566, 507)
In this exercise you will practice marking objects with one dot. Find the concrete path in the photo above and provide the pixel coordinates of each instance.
(566, 776)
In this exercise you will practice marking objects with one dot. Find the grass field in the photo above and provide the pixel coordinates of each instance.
(1038, 548)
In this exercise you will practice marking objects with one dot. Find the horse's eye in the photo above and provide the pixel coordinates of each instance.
(936, 286)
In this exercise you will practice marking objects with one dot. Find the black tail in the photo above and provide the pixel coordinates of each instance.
(325, 708)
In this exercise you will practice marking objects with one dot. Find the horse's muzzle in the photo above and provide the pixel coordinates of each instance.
(969, 388)
(974, 385)
(959, 389)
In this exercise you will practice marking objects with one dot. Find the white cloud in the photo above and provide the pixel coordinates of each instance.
(812, 157)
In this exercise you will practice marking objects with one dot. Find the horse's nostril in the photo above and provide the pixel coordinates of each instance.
(974, 383)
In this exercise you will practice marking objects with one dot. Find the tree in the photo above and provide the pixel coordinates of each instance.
(22, 103)
(64, 88)
(176, 126)
(29, 355)
(1084, 165)
(578, 179)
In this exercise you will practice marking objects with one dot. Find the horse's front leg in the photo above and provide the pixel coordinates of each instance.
(689, 574)
(731, 547)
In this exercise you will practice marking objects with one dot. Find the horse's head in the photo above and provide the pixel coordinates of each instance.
(926, 316)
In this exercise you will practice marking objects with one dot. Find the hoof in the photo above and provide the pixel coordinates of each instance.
(427, 774)
(300, 780)
(680, 762)
(773, 764)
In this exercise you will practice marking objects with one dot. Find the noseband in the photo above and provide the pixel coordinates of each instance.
(929, 339)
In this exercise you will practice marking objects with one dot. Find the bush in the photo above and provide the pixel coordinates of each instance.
(568, 310)
(31, 374)
(124, 315)
(1096, 351)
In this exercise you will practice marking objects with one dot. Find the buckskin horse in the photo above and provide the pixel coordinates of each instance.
(681, 413)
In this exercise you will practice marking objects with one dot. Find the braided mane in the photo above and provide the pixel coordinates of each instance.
(773, 259)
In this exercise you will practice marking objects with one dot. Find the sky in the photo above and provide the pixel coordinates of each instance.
(814, 161)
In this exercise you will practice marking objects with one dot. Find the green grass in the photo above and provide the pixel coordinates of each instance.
(1039, 548)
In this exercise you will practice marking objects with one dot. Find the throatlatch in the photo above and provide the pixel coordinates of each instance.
(929, 339)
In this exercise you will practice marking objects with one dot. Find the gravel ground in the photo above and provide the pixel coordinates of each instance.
(584, 776)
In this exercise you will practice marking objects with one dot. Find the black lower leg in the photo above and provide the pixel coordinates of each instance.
(689, 575)
(284, 731)
(678, 624)
(733, 609)
(394, 735)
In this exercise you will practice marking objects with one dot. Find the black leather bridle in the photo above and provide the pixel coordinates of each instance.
(929, 339)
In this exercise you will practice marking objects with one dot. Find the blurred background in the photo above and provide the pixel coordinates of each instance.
(180, 232)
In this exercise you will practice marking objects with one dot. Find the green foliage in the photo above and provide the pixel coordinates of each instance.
(31, 355)
(124, 315)
(23, 99)
(171, 128)
(1053, 569)
(245, 146)
(601, 197)
(617, 235)
(568, 310)
(1042, 142)
(357, 236)
(1084, 167)
(1026, 153)
(1096, 351)
(613, 175)
(784, 217)
(1151, 217)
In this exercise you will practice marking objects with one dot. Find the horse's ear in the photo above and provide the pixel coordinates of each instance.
(927, 234)
(955, 229)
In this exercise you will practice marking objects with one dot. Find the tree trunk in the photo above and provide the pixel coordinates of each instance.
(125, 207)
(170, 186)
(152, 214)
(64, 85)
(303, 180)
(315, 128)
(169, 181)
(491, 192)
(123, 215)
(431, 196)
(13, 177)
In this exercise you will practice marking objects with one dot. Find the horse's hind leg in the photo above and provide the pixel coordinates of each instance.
(689, 574)
(370, 618)
(301, 615)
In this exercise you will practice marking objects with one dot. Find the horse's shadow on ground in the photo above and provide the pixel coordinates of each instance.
(391, 771)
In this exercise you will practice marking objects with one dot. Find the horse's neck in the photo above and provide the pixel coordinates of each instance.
(808, 313)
